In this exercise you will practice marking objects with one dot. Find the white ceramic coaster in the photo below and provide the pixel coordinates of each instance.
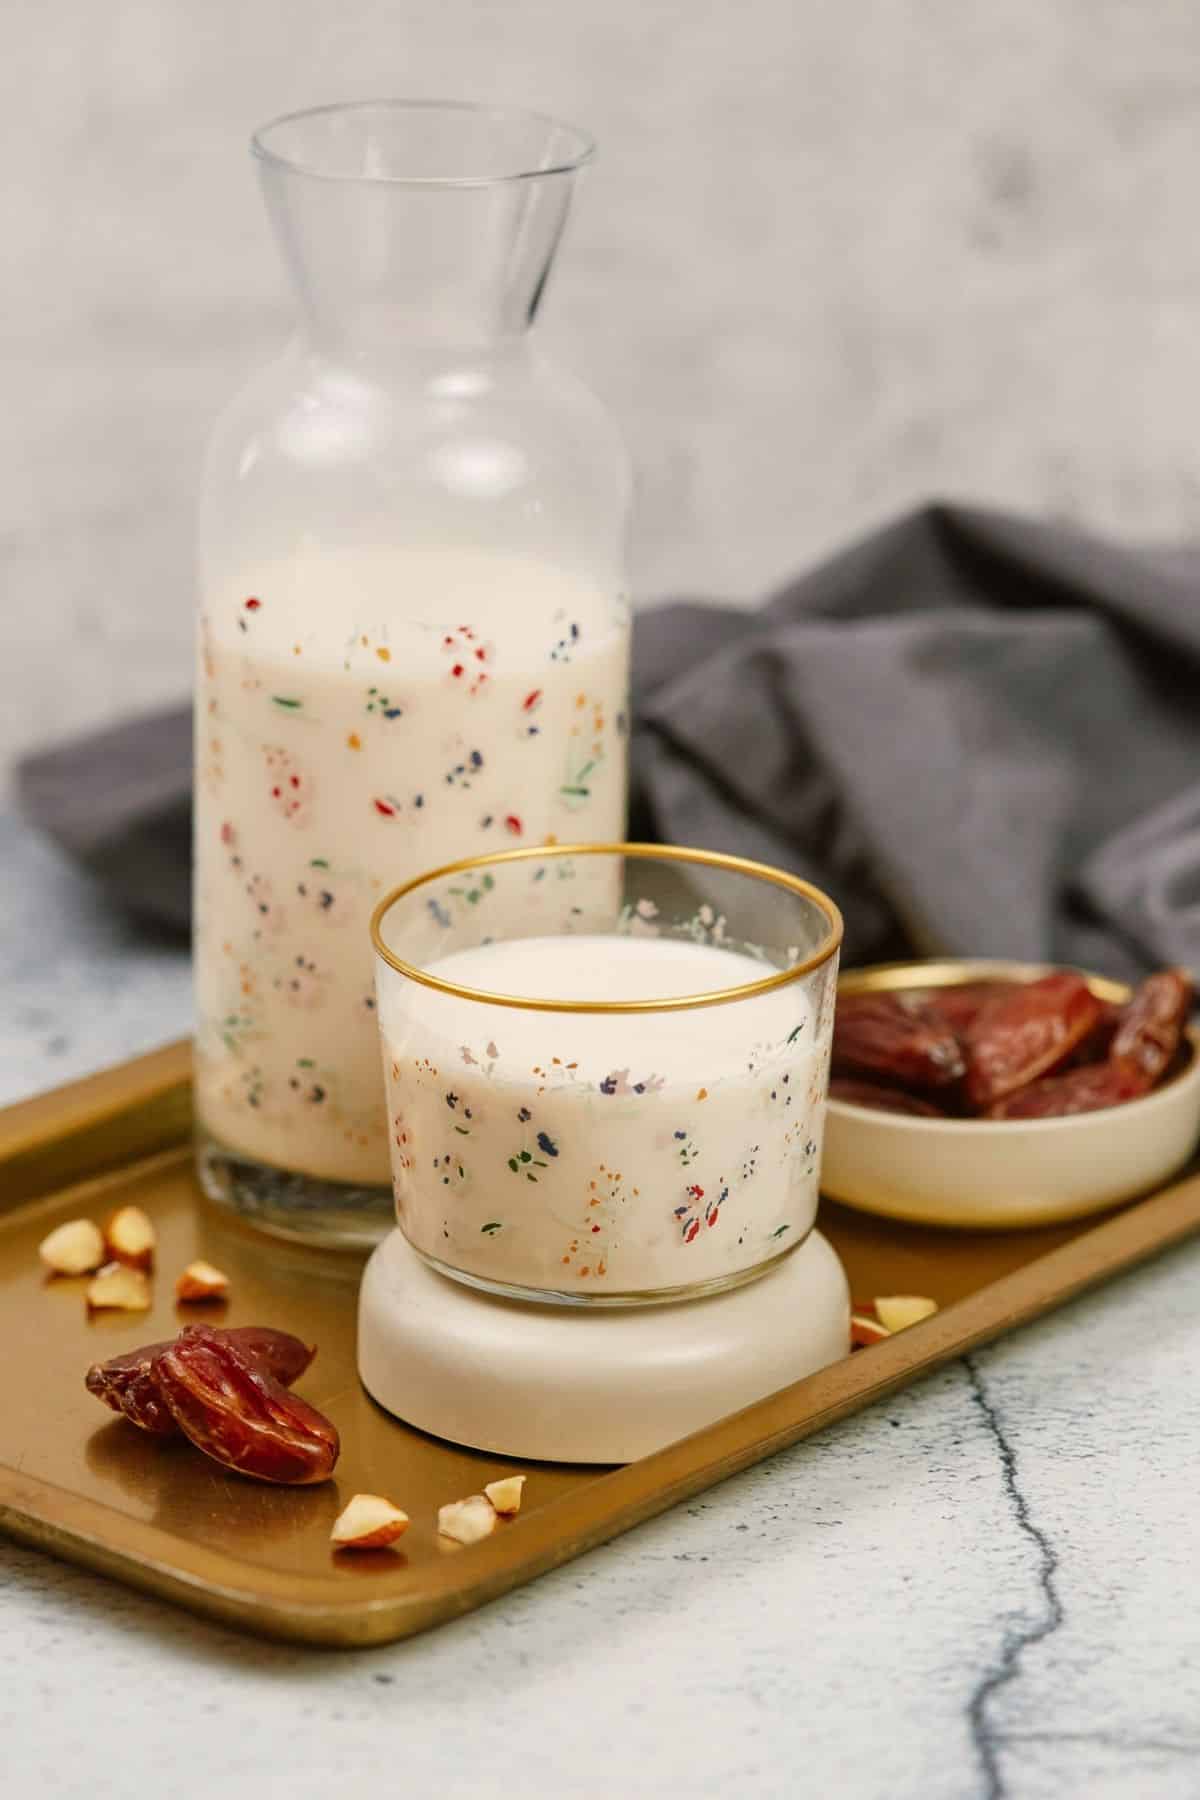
(565, 1384)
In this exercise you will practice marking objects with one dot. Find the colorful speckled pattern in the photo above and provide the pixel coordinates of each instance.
(331, 767)
(612, 1154)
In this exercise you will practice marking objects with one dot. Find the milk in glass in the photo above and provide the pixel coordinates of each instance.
(597, 1154)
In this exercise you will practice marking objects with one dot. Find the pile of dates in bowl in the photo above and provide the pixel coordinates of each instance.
(995, 1049)
(995, 1094)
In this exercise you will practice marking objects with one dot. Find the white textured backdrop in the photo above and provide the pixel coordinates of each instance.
(832, 259)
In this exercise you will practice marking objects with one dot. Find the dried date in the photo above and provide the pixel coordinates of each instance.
(895, 1038)
(884, 1099)
(233, 1410)
(127, 1383)
(1026, 1033)
(958, 1006)
(1150, 1028)
(1087, 1089)
(1095, 1047)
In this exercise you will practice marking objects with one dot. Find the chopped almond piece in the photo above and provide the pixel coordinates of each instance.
(130, 1237)
(505, 1495)
(864, 1330)
(899, 1311)
(118, 1288)
(200, 1281)
(368, 1522)
(75, 1248)
(466, 1521)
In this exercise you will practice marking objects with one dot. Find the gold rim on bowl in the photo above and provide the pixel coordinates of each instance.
(713, 859)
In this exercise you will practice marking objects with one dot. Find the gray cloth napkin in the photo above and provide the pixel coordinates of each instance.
(980, 733)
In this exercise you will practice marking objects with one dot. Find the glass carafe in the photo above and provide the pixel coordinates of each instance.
(413, 637)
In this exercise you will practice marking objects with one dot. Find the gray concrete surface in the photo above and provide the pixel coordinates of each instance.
(833, 258)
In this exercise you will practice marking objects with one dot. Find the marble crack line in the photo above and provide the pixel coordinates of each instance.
(1017, 1639)
(1130, 1743)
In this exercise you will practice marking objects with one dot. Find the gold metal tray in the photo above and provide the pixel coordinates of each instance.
(84, 1485)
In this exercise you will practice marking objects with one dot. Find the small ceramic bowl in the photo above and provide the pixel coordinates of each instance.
(989, 1174)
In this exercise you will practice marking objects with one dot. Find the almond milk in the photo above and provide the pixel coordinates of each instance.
(361, 718)
(600, 1154)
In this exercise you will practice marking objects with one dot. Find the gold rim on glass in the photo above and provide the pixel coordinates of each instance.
(712, 859)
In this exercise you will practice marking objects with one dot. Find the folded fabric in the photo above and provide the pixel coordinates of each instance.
(119, 802)
(980, 733)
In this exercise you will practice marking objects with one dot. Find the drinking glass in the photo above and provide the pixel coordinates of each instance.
(606, 1068)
